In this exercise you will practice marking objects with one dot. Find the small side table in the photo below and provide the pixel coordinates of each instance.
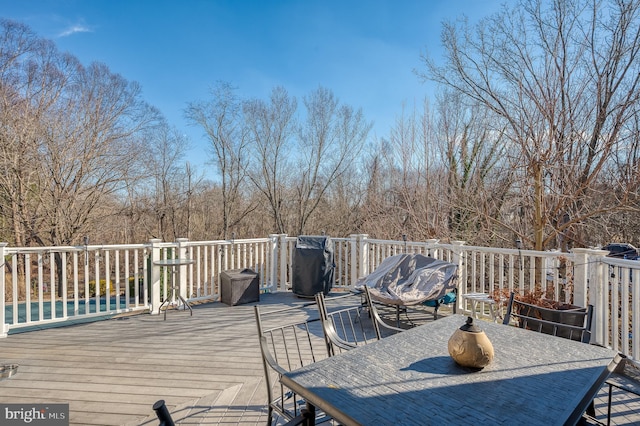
(483, 298)
(175, 264)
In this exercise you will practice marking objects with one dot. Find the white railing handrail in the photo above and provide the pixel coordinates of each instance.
(60, 249)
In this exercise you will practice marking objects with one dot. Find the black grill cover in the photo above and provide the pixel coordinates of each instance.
(312, 266)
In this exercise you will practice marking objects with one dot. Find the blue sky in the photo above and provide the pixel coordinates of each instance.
(364, 51)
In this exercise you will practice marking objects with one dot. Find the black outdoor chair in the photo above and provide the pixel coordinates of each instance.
(162, 412)
(289, 338)
(574, 324)
(382, 327)
(626, 378)
(345, 322)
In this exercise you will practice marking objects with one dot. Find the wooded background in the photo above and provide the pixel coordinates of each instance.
(533, 136)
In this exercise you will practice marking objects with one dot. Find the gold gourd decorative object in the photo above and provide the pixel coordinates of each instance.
(470, 347)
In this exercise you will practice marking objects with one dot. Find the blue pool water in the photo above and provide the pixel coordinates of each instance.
(83, 309)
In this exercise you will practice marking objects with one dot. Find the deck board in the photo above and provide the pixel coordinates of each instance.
(111, 372)
(206, 367)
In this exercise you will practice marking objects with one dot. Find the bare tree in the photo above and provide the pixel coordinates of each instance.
(167, 186)
(223, 123)
(68, 138)
(563, 77)
(32, 77)
(271, 126)
(88, 150)
(400, 194)
(479, 176)
(330, 142)
(341, 212)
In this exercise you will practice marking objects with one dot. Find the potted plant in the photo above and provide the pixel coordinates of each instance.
(537, 305)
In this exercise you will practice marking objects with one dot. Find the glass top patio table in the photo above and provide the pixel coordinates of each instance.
(409, 378)
(179, 290)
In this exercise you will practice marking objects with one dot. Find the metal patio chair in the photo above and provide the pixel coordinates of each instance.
(345, 322)
(626, 378)
(574, 324)
(162, 412)
(382, 327)
(289, 338)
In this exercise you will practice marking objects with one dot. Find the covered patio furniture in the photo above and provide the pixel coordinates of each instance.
(410, 280)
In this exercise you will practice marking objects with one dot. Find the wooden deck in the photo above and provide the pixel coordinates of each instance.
(206, 367)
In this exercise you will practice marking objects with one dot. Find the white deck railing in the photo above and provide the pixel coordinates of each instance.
(64, 284)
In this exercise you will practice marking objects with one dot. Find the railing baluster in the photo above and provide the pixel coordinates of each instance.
(63, 285)
(16, 289)
(76, 302)
(107, 280)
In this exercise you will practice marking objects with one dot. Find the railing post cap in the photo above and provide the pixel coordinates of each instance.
(595, 252)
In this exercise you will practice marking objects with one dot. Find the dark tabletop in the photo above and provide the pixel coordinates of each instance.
(410, 379)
